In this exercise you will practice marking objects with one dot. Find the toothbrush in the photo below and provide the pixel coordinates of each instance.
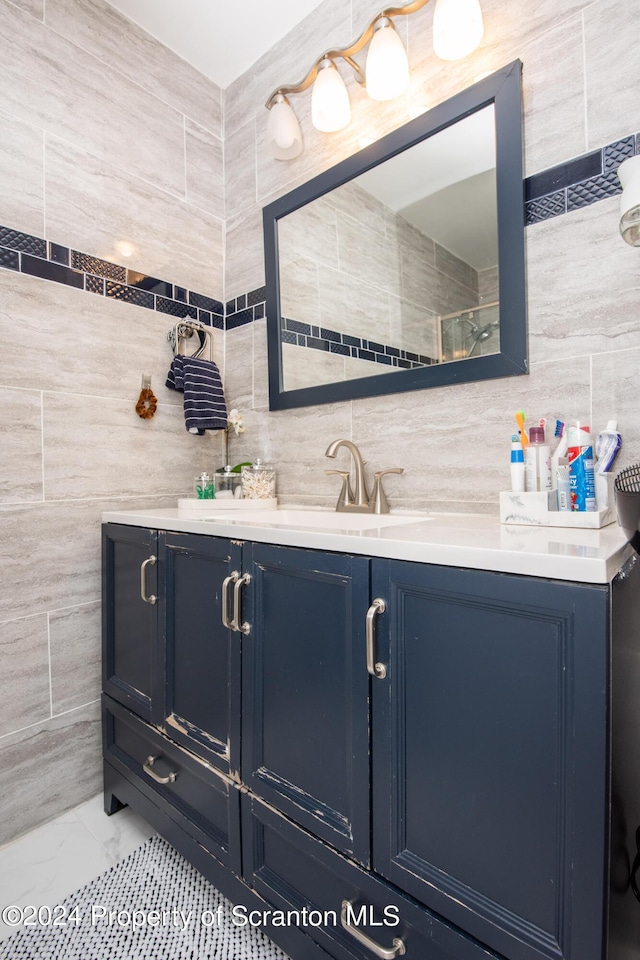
(520, 418)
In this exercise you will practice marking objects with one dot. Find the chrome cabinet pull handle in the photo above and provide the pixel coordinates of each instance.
(232, 578)
(149, 562)
(377, 670)
(235, 623)
(147, 765)
(385, 953)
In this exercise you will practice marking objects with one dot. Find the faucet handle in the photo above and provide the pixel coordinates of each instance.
(379, 502)
(345, 499)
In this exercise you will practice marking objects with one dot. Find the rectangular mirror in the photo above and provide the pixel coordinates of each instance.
(402, 267)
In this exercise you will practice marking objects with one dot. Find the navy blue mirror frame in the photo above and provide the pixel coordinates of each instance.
(503, 89)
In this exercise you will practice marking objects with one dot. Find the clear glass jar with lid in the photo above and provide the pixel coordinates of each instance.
(228, 483)
(259, 481)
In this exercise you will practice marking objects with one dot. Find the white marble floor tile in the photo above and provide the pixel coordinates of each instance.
(119, 834)
(51, 862)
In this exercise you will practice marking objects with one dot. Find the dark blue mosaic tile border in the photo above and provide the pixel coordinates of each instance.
(552, 192)
(51, 261)
(343, 344)
(578, 182)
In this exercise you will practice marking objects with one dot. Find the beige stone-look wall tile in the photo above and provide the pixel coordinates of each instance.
(240, 167)
(353, 306)
(310, 368)
(616, 394)
(61, 542)
(21, 176)
(34, 7)
(299, 288)
(80, 343)
(49, 768)
(260, 366)
(173, 241)
(553, 95)
(76, 654)
(204, 169)
(612, 37)
(96, 447)
(24, 673)
(582, 283)
(244, 252)
(433, 433)
(21, 443)
(238, 364)
(107, 34)
(70, 94)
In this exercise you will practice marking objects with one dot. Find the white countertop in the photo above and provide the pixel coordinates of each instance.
(456, 540)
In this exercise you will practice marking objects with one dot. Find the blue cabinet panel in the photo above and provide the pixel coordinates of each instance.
(131, 671)
(490, 754)
(294, 871)
(305, 730)
(202, 656)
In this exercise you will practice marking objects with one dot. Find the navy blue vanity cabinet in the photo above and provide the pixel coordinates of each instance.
(201, 655)
(350, 912)
(131, 659)
(490, 754)
(305, 708)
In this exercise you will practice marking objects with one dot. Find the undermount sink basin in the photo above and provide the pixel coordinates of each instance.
(322, 519)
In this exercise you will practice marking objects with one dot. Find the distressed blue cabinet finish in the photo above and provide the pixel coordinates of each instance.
(490, 754)
(305, 735)
(131, 660)
(173, 662)
(201, 656)
(480, 778)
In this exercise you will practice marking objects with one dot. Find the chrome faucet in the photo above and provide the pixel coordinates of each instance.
(357, 500)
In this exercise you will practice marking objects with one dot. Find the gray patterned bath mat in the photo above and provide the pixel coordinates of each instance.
(153, 905)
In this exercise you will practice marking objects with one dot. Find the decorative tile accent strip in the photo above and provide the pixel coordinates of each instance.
(245, 308)
(24, 242)
(52, 261)
(103, 268)
(302, 334)
(552, 192)
(578, 182)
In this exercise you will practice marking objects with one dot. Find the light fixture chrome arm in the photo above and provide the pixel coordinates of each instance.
(347, 53)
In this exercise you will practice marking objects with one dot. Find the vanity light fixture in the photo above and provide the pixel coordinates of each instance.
(284, 136)
(457, 30)
(629, 176)
(330, 107)
(387, 68)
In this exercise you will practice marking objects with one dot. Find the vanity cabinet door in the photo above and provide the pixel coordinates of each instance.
(305, 706)
(490, 754)
(202, 656)
(131, 666)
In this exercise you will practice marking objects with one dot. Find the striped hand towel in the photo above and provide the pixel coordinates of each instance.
(204, 404)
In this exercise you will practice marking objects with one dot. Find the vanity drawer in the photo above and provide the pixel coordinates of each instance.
(204, 802)
(294, 871)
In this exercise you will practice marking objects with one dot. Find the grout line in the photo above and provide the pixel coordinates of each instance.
(42, 441)
(50, 670)
(584, 81)
(55, 716)
(32, 616)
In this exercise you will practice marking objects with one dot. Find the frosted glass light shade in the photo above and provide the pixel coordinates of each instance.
(330, 107)
(629, 176)
(457, 28)
(284, 136)
(387, 67)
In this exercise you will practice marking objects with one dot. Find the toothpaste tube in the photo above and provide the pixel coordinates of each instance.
(581, 475)
(607, 447)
